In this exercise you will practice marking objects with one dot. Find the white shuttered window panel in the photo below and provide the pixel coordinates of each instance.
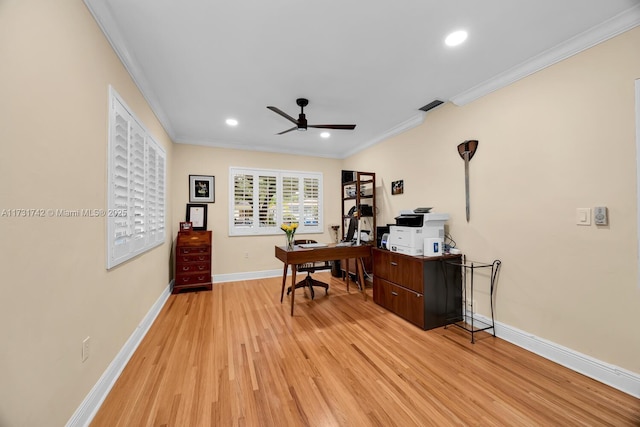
(136, 186)
(310, 205)
(261, 200)
(267, 208)
(242, 211)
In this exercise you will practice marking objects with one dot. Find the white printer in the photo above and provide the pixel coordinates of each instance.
(414, 233)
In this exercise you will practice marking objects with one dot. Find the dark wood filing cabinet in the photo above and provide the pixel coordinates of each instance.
(425, 291)
(193, 261)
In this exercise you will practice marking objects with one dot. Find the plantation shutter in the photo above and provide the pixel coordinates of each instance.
(120, 229)
(311, 199)
(160, 194)
(243, 201)
(267, 212)
(152, 192)
(291, 199)
(261, 200)
(136, 187)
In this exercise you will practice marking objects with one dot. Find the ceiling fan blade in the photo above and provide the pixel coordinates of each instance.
(288, 130)
(347, 127)
(283, 114)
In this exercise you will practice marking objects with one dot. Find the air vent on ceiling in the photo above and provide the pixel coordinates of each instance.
(433, 104)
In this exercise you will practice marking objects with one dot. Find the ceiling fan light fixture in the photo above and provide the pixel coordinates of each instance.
(456, 38)
(301, 122)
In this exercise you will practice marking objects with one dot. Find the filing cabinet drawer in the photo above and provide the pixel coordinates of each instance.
(404, 302)
(399, 268)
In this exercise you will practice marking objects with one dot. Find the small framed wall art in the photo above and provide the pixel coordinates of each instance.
(397, 187)
(202, 189)
(197, 215)
(186, 226)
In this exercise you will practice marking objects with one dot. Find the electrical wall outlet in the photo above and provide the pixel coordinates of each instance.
(85, 348)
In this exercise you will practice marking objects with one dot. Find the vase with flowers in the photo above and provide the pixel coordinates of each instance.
(290, 231)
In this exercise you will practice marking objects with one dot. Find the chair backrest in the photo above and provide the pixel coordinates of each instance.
(312, 266)
(303, 241)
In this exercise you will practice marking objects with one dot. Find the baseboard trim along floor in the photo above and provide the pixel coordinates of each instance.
(614, 376)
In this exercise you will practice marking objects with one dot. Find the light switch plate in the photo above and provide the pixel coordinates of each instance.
(583, 216)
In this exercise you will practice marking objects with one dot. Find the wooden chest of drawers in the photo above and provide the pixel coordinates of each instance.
(192, 261)
(423, 290)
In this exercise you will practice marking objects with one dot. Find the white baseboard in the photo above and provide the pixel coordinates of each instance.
(248, 275)
(614, 376)
(90, 405)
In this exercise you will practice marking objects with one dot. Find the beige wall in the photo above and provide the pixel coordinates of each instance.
(229, 252)
(55, 69)
(561, 139)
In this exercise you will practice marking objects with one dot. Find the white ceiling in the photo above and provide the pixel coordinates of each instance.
(372, 63)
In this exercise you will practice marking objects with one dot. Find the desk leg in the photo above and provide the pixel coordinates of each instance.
(293, 287)
(360, 272)
(346, 266)
(284, 281)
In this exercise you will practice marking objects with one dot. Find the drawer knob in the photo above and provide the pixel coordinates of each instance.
(395, 264)
(395, 294)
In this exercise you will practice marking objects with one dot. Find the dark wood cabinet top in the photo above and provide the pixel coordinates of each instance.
(194, 238)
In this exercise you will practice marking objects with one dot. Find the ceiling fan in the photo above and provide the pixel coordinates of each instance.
(301, 123)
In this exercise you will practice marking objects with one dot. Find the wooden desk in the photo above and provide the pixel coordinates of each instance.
(328, 253)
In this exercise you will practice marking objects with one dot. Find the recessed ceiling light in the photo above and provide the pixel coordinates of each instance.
(325, 134)
(456, 38)
(232, 122)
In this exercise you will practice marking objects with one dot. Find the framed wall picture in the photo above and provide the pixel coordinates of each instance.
(397, 187)
(197, 215)
(202, 189)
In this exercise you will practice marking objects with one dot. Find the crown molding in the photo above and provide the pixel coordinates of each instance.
(111, 31)
(251, 147)
(410, 123)
(598, 34)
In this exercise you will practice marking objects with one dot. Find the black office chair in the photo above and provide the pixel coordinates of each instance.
(311, 267)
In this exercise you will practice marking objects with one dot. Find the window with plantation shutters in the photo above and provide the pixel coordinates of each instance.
(261, 200)
(136, 186)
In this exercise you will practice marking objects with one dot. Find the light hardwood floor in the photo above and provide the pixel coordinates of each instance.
(234, 357)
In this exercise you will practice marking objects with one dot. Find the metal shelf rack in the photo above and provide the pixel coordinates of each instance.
(468, 322)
